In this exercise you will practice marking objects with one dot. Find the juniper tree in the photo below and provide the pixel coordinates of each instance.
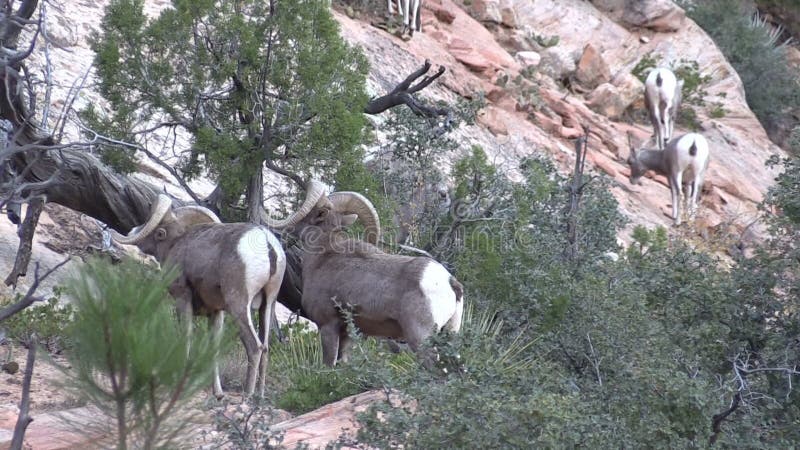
(253, 83)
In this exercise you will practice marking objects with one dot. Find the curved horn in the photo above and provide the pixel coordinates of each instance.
(160, 209)
(195, 215)
(314, 192)
(355, 203)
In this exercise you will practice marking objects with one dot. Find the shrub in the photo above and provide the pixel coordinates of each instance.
(717, 111)
(49, 320)
(131, 356)
(643, 352)
(751, 46)
(693, 82)
(303, 383)
(640, 70)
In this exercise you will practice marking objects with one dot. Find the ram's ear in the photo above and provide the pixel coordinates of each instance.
(349, 219)
(160, 234)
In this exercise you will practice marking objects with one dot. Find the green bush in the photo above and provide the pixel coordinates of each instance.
(49, 320)
(693, 90)
(640, 70)
(302, 382)
(752, 48)
(585, 351)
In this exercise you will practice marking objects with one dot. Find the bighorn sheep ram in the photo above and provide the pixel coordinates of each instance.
(392, 296)
(662, 98)
(684, 162)
(224, 267)
(412, 10)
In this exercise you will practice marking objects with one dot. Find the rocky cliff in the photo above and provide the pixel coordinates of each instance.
(546, 68)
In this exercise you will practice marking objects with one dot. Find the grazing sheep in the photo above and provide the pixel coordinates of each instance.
(662, 98)
(394, 296)
(684, 162)
(224, 267)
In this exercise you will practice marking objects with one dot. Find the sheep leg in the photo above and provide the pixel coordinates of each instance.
(183, 302)
(241, 313)
(454, 324)
(264, 322)
(681, 197)
(415, 335)
(688, 204)
(697, 187)
(216, 322)
(671, 115)
(406, 8)
(657, 125)
(675, 187)
(344, 346)
(266, 312)
(412, 18)
(329, 333)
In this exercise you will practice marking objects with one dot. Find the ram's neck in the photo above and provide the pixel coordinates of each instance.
(654, 160)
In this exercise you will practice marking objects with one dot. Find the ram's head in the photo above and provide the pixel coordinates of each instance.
(320, 214)
(165, 225)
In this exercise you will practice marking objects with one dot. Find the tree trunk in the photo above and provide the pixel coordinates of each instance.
(255, 197)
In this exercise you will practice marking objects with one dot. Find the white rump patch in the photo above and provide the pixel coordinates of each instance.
(253, 249)
(435, 285)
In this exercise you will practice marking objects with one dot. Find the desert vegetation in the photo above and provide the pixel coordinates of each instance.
(758, 52)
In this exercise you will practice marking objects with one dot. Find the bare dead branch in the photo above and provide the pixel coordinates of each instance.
(172, 171)
(594, 360)
(416, 250)
(17, 21)
(281, 171)
(24, 419)
(402, 94)
(576, 191)
(716, 421)
(27, 230)
(48, 67)
(72, 95)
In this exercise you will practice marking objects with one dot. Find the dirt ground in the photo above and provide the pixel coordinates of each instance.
(48, 392)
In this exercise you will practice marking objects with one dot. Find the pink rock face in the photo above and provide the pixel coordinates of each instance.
(444, 15)
(325, 424)
(491, 119)
(592, 69)
(607, 101)
(73, 428)
(657, 15)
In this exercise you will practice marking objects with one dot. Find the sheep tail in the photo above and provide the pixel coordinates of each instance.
(458, 288)
(659, 80)
(693, 149)
(454, 324)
